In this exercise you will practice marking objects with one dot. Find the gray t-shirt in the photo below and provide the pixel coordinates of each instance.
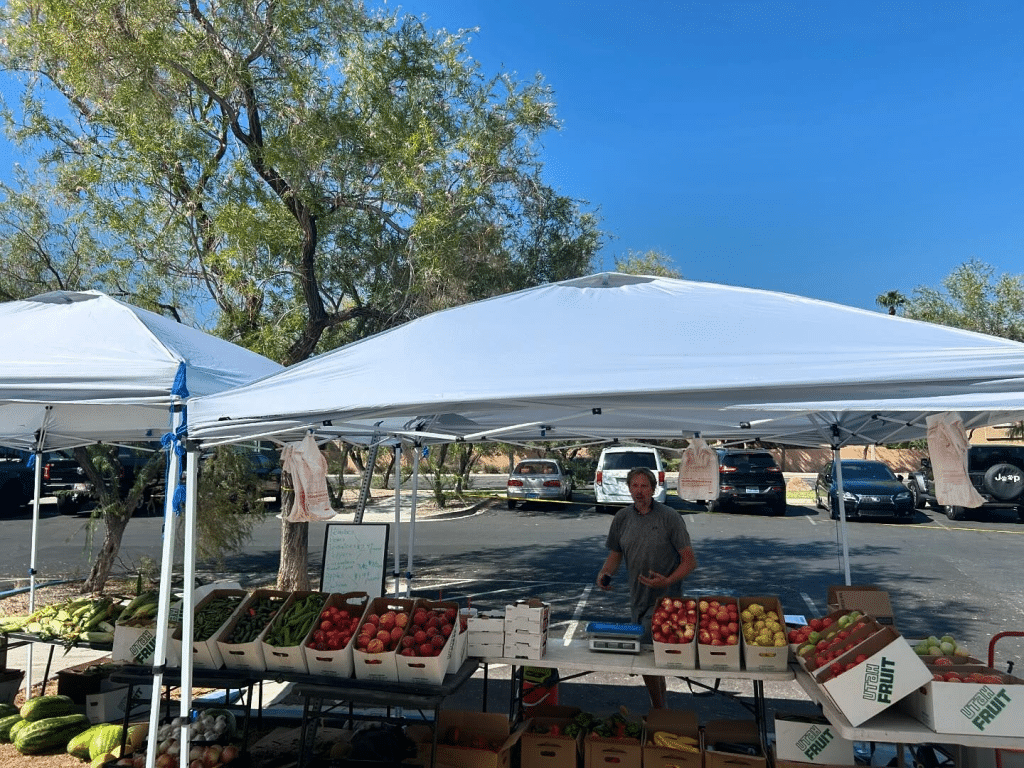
(648, 542)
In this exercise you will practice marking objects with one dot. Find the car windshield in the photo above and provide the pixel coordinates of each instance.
(867, 472)
(753, 460)
(629, 460)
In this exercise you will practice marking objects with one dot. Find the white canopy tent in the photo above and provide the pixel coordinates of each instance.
(658, 358)
(81, 367)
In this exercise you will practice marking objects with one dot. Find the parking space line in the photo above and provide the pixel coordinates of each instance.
(570, 630)
(811, 520)
(809, 603)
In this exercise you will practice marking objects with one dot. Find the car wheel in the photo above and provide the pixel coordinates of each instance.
(834, 511)
(568, 495)
(67, 506)
(1020, 513)
(714, 505)
(954, 512)
(915, 494)
(511, 503)
(818, 504)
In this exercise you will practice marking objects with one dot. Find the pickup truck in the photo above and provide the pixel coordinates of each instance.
(64, 479)
(16, 481)
(996, 472)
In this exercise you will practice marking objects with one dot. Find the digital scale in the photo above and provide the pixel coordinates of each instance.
(614, 638)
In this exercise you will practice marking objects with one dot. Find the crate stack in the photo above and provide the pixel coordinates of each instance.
(526, 629)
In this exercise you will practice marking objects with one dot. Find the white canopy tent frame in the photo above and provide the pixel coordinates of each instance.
(736, 364)
(107, 372)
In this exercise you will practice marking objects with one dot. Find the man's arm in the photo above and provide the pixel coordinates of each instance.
(687, 564)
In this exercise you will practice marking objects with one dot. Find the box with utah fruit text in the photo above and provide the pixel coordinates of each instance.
(890, 671)
(680, 725)
(985, 702)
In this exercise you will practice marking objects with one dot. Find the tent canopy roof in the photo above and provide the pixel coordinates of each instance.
(81, 367)
(660, 358)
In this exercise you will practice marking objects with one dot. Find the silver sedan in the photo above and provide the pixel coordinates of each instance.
(539, 480)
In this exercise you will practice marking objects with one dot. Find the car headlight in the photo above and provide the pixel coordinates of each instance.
(903, 496)
(847, 496)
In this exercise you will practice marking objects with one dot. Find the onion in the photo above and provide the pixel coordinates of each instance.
(196, 764)
(174, 748)
(210, 736)
(229, 753)
(177, 722)
(161, 748)
(196, 753)
(211, 756)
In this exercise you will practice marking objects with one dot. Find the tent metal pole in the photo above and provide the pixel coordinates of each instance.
(164, 594)
(838, 464)
(398, 516)
(412, 519)
(189, 576)
(37, 482)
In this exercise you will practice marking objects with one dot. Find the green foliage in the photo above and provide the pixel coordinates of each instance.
(230, 503)
(891, 300)
(647, 263)
(972, 297)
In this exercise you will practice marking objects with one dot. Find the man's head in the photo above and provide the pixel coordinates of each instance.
(641, 482)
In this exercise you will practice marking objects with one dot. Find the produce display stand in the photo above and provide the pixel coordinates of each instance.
(375, 693)
(20, 639)
(892, 726)
(225, 679)
(577, 656)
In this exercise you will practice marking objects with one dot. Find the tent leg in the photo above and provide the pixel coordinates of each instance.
(842, 512)
(412, 520)
(166, 572)
(397, 572)
(37, 492)
(188, 609)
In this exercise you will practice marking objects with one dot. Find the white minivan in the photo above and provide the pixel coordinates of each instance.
(610, 489)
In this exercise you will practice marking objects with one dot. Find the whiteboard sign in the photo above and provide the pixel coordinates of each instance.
(354, 558)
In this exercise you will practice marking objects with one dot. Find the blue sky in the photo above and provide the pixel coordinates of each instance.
(836, 150)
(830, 149)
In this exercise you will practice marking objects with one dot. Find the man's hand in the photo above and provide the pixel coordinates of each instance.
(654, 579)
(604, 581)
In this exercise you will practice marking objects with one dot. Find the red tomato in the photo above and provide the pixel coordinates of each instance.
(327, 625)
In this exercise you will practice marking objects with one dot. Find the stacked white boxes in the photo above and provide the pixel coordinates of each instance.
(486, 634)
(526, 629)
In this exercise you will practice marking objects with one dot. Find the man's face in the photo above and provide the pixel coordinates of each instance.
(640, 489)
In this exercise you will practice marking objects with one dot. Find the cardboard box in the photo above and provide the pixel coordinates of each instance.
(290, 658)
(733, 734)
(460, 651)
(542, 749)
(599, 752)
(248, 656)
(430, 669)
(867, 598)
(82, 680)
(759, 658)
(810, 739)
(530, 615)
(336, 663)
(108, 706)
(680, 723)
(858, 632)
(518, 648)
(721, 657)
(491, 727)
(380, 666)
(206, 653)
(486, 650)
(983, 709)
(676, 655)
(780, 763)
(891, 672)
(10, 684)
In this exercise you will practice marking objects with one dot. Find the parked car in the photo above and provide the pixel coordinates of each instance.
(610, 489)
(539, 480)
(749, 477)
(64, 479)
(17, 480)
(869, 488)
(996, 472)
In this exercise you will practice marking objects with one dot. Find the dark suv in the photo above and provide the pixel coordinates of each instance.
(749, 477)
(17, 480)
(996, 471)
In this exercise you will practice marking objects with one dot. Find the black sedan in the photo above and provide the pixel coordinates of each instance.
(869, 488)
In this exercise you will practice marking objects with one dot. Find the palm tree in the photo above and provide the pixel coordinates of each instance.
(891, 300)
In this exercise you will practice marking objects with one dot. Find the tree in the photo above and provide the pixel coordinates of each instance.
(648, 263)
(303, 174)
(891, 300)
(973, 299)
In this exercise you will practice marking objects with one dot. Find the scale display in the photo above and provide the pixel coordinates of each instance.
(614, 638)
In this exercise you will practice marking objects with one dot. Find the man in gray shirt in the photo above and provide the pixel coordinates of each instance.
(652, 539)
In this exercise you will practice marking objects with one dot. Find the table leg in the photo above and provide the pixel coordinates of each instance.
(46, 674)
(760, 714)
(484, 708)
